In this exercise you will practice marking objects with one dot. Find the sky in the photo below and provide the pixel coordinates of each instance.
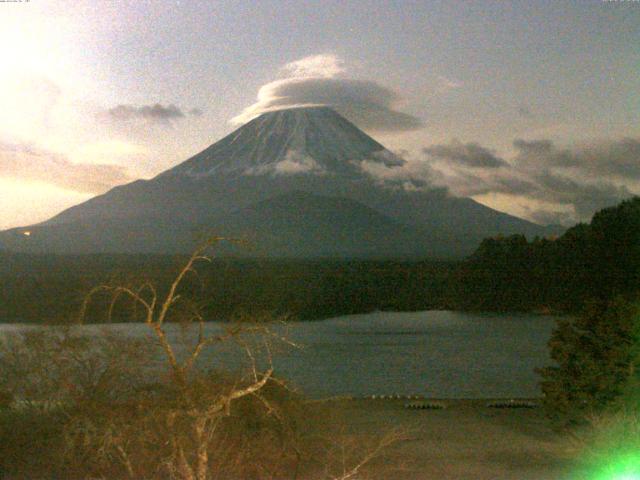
(532, 108)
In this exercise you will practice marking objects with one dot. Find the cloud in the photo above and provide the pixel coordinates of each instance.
(619, 159)
(315, 80)
(314, 66)
(409, 176)
(470, 154)
(585, 197)
(294, 163)
(548, 217)
(572, 183)
(23, 162)
(541, 153)
(156, 113)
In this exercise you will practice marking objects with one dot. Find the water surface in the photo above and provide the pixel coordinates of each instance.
(432, 353)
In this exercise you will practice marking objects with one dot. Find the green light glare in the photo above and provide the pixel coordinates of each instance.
(623, 467)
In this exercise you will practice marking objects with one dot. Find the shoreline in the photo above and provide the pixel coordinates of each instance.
(466, 439)
(480, 313)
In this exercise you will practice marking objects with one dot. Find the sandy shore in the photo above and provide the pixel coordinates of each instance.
(464, 440)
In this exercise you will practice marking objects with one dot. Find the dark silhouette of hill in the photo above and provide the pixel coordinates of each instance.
(595, 261)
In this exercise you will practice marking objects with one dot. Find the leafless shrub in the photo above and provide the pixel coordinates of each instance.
(116, 414)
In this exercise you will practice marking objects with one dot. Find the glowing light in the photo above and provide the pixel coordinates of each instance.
(27, 233)
(623, 467)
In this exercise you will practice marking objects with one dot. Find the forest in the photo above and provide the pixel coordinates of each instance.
(598, 261)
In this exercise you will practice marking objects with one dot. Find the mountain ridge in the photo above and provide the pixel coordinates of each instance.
(306, 155)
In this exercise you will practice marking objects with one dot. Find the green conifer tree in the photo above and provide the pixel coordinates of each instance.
(596, 360)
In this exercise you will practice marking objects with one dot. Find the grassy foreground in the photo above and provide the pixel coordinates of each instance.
(465, 440)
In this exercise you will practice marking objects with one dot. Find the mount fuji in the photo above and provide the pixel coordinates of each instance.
(295, 183)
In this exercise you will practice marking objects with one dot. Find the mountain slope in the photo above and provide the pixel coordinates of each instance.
(294, 181)
(299, 224)
(315, 140)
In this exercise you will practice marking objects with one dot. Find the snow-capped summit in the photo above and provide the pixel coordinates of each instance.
(295, 181)
(305, 140)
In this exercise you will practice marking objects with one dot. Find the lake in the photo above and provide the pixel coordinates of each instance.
(439, 354)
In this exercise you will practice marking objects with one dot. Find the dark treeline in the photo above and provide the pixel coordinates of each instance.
(590, 261)
(52, 288)
(596, 261)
